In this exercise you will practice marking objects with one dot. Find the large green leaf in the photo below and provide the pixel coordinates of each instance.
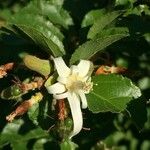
(111, 93)
(101, 23)
(41, 31)
(49, 45)
(90, 48)
(38, 22)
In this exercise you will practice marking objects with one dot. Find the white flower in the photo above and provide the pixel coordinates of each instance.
(73, 83)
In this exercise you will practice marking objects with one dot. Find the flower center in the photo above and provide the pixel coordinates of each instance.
(75, 83)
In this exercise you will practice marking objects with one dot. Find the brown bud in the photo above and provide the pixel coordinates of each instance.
(23, 107)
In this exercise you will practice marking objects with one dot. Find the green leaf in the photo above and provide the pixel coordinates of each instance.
(111, 93)
(68, 145)
(100, 24)
(36, 134)
(38, 22)
(54, 12)
(33, 113)
(41, 31)
(90, 48)
(19, 145)
(47, 44)
(113, 31)
(57, 15)
(56, 2)
(145, 145)
(144, 83)
(91, 17)
(10, 134)
(125, 3)
(39, 144)
(5, 14)
(10, 131)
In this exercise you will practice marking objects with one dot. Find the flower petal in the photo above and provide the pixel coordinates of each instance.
(85, 67)
(83, 99)
(60, 96)
(74, 69)
(56, 88)
(74, 103)
(62, 80)
(61, 67)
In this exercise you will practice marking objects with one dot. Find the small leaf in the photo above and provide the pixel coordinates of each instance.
(33, 113)
(92, 16)
(90, 48)
(100, 24)
(68, 145)
(125, 3)
(111, 93)
(51, 80)
(57, 15)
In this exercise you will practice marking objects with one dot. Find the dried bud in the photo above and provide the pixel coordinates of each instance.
(107, 70)
(5, 68)
(62, 114)
(23, 108)
(37, 83)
